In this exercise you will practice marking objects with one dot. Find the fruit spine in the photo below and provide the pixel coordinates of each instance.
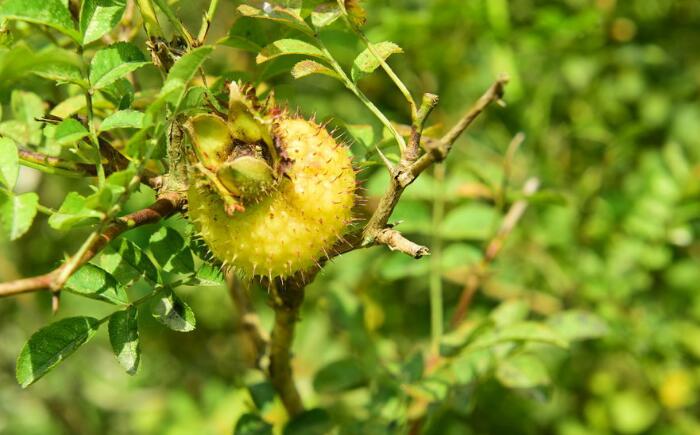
(269, 193)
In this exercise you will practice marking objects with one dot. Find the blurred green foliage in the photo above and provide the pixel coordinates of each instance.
(607, 94)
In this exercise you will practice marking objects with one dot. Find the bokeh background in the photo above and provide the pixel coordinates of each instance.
(607, 94)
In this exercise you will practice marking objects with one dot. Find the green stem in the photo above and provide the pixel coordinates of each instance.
(45, 210)
(206, 21)
(99, 167)
(53, 170)
(436, 306)
(385, 66)
(359, 94)
(76, 260)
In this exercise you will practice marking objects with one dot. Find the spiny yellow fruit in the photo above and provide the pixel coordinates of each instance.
(288, 227)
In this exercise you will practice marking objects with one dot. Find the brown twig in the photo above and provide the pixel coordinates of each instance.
(397, 242)
(478, 272)
(411, 165)
(438, 151)
(167, 204)
(56, 165)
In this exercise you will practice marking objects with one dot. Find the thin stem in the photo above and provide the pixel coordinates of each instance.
(436, 305)
(167, 204)
(99, 168)
(76, 260)
(45, 210)
(359, 94)
(478, 272)
(286, 302)
(385, 66)
(206, 21)
(54, 165)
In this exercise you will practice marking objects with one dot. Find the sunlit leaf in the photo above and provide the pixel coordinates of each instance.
(172, 312)
(277, 13)
(123, 119)
(183, 70)
(309, 67)
(114, 62)
(366, 62)
(522, 371)
(124, 338)
(17, 213)
(69, 131)
(73, 212)
(94, 282)
(325, 14)
(578, 325)
(98, 17)
(52, 344)
(284, 47)
(9, 163)
(52, 13)
(519, 332)
(128, 262)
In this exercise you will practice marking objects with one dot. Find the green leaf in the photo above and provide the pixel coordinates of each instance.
(73, 212)
(120, 93)
(363, 133)
(61, 72)
(51, 345)
(128, 262)
(96, 283)
(366, 62)
(309, 67)
(114, 62)
(9, 163)
(184, 69)
(578, 325)
(283, 47)
(245, 34)
(62, 66)
(509, 312)
(123, 119)
(519, 332)
(24, 128)
(252, 424)
(173, 312)
(343, 375)
(69, 131)
(312, 422)
(325, 14)
(208, 275)
(170, 251)
(124, 338)
(52, 13)
(278, 14)
(98, 17)
(17, 213)
(522, 371)
(453, 342)
(470, 222)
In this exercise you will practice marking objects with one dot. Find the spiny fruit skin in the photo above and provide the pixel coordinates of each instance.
(297, 222)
